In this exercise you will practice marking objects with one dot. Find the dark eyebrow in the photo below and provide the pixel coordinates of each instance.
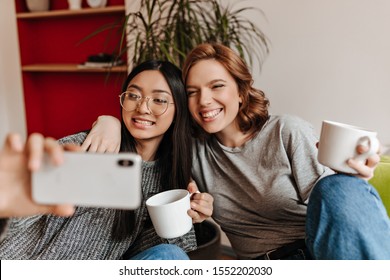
(134, 86)
(153, 91)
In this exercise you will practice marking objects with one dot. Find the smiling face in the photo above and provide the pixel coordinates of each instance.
(213, 98)
(141, 123)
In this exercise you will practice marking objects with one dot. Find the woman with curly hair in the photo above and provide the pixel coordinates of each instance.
(272, 197)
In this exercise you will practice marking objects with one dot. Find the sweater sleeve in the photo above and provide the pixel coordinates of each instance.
(300, 143)
(77, 139)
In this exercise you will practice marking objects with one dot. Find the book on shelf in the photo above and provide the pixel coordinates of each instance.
(89, 64)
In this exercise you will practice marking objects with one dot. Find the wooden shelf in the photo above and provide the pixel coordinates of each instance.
(70, 68)
(70, 13)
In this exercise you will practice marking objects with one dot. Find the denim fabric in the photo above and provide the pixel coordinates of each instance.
(346, 219)
(162, 252)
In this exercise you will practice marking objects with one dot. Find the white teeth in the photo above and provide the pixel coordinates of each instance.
(211, 114)
(143, 122)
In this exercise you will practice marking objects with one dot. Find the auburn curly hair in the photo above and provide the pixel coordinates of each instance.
(253, 111)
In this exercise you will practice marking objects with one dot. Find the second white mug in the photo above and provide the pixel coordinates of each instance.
(338, 143)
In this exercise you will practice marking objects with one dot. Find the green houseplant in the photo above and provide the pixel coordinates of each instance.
(169, 29)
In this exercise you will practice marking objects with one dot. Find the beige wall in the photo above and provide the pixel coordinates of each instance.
(12, 116)
(328, 60)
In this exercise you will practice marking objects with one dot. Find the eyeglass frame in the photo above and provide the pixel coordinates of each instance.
(139, 102)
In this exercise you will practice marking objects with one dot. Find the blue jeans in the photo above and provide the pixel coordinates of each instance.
(162, 252)
(346, 219)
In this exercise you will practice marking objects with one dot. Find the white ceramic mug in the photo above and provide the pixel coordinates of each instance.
(338, 143)
(168, 212)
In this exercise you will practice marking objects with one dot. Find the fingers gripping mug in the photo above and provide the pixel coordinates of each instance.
(338, 143)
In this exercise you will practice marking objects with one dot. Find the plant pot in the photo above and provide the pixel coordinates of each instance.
(208, 237)
(38, 5)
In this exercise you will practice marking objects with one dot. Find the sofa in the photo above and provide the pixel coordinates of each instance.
(381, 181)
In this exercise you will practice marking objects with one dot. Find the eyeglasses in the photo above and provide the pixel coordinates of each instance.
(157, 105)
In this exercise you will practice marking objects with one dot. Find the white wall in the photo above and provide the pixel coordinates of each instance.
(328, 60)
(12, 116)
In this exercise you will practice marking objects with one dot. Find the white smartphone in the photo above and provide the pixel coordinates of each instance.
(90, 179)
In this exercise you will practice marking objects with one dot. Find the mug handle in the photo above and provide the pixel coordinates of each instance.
(373, 144)
(191, 194)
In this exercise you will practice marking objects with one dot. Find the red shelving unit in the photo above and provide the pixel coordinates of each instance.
(60, 97)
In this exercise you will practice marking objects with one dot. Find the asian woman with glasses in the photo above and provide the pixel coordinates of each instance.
(155, 124)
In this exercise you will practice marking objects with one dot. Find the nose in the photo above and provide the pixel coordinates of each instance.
(142, 106)
(205, 97)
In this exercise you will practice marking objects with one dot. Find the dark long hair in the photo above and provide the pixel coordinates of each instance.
(174, 152)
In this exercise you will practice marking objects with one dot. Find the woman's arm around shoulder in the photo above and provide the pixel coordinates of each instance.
(105, 136)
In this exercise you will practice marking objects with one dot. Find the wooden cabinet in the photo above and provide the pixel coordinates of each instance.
(60, 97)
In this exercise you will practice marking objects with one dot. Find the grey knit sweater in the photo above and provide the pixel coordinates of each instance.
(87, 234)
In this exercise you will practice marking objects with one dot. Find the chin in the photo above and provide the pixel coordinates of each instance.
(211, 130)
